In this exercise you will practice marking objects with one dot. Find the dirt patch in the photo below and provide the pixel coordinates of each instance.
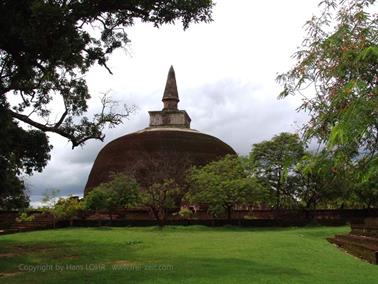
(7, 254)
(9, 274)
(25, 249)
(124, 262)
(34, 247)
(70, 257)
(20, 250)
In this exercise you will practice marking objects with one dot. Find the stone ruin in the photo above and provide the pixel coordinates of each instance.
(165, 149)
(362, 241)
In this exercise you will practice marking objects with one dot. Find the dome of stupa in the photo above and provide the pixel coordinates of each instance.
(164, 150)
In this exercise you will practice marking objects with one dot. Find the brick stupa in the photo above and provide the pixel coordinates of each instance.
(164, 150)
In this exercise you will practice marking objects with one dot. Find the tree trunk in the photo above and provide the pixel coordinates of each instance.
(162, 217)
(229, 210)
(155, 212)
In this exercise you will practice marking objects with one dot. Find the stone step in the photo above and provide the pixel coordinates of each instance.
(371, 221)
(364, 230)
(360, 250)
(368, 242)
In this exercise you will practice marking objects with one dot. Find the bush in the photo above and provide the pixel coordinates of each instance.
(24, 217)
(185, 212)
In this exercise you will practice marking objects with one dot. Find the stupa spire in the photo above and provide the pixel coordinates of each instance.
(170, 116)
(170, 97)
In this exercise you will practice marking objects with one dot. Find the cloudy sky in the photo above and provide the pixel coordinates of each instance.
(225, 74)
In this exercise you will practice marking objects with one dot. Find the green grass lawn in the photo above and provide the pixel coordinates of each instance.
(180, 255)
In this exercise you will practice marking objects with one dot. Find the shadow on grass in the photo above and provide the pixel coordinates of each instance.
(197, 270)
(170, 270)
(14, 253)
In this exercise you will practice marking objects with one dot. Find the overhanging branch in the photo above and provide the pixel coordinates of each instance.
(76, 141)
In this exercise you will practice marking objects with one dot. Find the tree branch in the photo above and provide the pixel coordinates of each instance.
(75, 142)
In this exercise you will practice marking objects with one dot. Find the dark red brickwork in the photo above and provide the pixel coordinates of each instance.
(149, 153)
(362, 241)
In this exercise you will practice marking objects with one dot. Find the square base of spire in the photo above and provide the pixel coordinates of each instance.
(169, 118)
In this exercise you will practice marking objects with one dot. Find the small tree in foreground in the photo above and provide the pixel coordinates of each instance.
(121, 191)
(222, 185)
(61, 208)
(160, 197)
(67, 208)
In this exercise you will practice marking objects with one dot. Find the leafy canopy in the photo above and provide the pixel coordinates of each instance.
(336, 73)
(321, 182)
(21, 152)
(273, 163)
(160, 197)
(221, 184)
(118, 193)
(67, 208)
(47, 47)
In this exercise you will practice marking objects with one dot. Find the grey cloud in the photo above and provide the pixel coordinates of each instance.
(241, 114)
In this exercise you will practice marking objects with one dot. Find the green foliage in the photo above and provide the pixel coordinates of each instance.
(222, 185)
(121, 191)
(185, 212)
(25, 217)
(366, 183)
(47, 47)
(273, 163)
(21, 152)
(160, 197)
(67, 208)
(336, 72)
(321, 182)
(96, 199)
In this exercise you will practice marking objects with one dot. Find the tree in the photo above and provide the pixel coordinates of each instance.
(21, 152)
(161, 176)
(121, 191)
(157, 168)
(336, 73)
(160, 197)
(222, 185)
(50, 197)
(67, 208)
(273, 163)
(47, 47)
(321, 182)
(366, 183)
(49, 200)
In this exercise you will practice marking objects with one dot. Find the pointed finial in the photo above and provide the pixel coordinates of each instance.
(170, 97)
